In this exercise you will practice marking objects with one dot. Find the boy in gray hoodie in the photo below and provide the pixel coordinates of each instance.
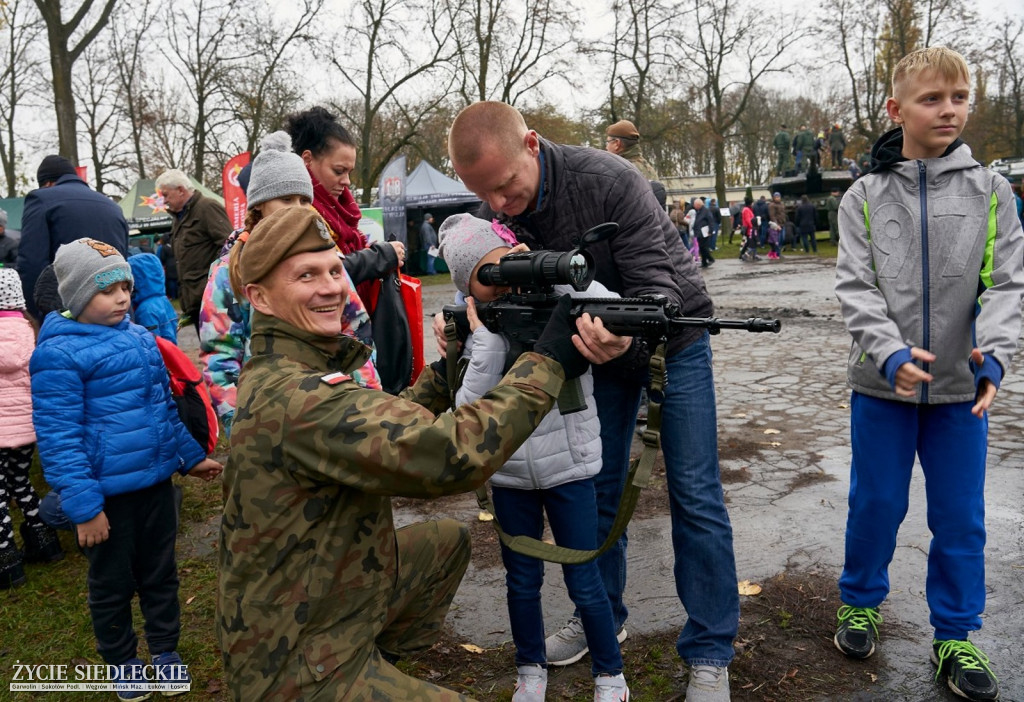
(930, 280)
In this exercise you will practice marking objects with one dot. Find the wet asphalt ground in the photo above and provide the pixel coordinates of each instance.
(783, 408)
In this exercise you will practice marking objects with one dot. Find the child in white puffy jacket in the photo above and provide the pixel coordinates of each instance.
(552, 472)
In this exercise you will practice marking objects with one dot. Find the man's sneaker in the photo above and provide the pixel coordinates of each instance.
(129, 675)
(531, 684)
(708, 683)
(569, 644)
(169, 670)
(611, 688)
(857, 631)
(966, 669)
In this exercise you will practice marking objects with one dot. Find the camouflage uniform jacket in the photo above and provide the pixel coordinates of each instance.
(307, 546)
(633, 155)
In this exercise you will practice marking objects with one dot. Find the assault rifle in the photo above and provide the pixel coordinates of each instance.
(530, 276)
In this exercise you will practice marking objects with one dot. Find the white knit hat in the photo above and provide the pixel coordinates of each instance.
(11, 296)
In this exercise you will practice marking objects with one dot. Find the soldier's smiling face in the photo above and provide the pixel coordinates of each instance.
(308, 291)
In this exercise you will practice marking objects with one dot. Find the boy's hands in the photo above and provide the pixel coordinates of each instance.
(474, 321)
(909, 375)
(93, 532)
(207, 469)
(986, 390)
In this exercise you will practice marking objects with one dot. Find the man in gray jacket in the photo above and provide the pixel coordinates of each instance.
(549, 194)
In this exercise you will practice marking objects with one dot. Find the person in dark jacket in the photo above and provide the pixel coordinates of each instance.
(805, 219)
(762, 215)
(703, 225)
(109, 439)
(837, 145)
(62, 210)
(549, 194)
(200, 229)
(150, 306)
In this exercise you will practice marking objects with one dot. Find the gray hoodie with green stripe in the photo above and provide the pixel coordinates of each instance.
(931, 254)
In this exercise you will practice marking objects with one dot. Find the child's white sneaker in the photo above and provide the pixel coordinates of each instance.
(531, 684)
(611, 688)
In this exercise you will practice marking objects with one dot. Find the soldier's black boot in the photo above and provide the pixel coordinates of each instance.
(41, 543)
(12, 571)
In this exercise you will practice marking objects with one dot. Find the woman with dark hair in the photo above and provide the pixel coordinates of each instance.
(329, 152)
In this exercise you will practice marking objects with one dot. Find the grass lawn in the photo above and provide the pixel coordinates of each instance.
(46, 621)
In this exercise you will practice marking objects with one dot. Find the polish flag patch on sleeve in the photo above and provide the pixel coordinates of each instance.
(335, 378)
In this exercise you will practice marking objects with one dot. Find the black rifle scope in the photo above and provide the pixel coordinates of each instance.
(540, 270)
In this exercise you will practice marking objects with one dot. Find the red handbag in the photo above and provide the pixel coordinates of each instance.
(412, 299)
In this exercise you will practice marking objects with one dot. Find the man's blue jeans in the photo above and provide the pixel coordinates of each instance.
(572, 515)
(705, 566)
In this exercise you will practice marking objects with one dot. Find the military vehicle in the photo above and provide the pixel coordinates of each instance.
(816, 185)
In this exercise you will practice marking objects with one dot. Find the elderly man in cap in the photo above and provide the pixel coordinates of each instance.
(319, 593)
(62, 210)
(623, 139)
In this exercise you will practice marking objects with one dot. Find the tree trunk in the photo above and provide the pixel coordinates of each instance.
(64, 102)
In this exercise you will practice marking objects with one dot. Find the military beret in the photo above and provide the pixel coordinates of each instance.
(623, 129)
(286, 233)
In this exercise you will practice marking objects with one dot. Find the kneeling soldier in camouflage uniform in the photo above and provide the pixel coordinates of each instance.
(317, 587)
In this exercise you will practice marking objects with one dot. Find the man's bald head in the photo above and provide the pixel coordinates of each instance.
(483, 127)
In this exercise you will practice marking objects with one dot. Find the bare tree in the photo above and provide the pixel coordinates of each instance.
(385, 80)
(198, 36)
(267, 86)
(506, 50)
(20, 70)
(640, 51)
(96, 92)
(130, 33)
(62, 60)
(727, 53)
(1011, 79)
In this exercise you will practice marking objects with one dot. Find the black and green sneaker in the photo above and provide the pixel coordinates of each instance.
(966, 669)
(857, 631)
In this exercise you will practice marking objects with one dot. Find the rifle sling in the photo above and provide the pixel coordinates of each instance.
(637, 479)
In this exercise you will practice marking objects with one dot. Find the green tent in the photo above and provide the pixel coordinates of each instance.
(144, 208)
(14, 207)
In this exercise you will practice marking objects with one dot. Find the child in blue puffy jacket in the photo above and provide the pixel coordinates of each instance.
(109, 438)
(150, 306)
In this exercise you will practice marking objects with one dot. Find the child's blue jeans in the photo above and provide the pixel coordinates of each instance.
(572, 515)
(951, 445)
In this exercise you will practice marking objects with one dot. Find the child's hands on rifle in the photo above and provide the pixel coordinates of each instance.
(474, 321)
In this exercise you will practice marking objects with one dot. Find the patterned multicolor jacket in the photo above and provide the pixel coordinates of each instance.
(224, 336)
(307, 544)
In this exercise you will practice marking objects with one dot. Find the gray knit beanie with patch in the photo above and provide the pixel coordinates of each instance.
(85, 267)
(277, 171)
(466, 239)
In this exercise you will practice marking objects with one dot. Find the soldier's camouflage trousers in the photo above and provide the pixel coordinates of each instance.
(432, 558)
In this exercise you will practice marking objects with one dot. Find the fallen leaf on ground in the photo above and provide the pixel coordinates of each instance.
(485, 516)
(748, 588)
(772, 431)
(190, 599)
(472, 648)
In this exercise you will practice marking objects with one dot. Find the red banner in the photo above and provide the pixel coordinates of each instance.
(234, 196)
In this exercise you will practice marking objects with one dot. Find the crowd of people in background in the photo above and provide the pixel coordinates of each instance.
(319, 593)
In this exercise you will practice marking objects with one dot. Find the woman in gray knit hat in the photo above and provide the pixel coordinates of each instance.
(279, 179)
